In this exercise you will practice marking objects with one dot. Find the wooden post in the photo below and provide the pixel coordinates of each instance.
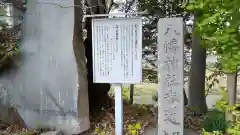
(131, 93)
(232, 93)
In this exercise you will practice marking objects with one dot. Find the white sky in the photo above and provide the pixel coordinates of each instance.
(116, 11)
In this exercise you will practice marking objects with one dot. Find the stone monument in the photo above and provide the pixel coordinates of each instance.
(171, 97)
(47, 87)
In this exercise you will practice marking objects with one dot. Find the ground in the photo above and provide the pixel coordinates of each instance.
(136, 117)
(143, 111)
(140, 118)
(153, 131)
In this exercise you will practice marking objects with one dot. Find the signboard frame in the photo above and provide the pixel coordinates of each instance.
(137, 66)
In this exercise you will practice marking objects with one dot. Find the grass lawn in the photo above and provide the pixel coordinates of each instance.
(143, 91)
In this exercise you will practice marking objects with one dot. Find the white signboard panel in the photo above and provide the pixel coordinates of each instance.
(171, 106)
(117, 50)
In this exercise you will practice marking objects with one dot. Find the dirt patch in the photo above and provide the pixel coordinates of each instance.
(142, 118)
(137, 118)
(6, 129)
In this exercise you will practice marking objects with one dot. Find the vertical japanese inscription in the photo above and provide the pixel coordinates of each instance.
(170, 43)
(117, 50)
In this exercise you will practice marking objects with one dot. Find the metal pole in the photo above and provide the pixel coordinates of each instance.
(118, 109)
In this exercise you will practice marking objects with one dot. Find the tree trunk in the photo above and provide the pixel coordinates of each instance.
(185, 97)
(98, 93)
(196, 89)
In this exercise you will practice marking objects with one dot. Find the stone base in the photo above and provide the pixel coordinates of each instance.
(69, 124)
(153, 131)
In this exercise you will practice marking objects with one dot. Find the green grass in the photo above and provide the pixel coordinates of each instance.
(139, 90)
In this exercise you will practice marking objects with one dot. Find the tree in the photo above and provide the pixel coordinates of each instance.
(157, 10)
(8, 38)
(196, 91)
(217, 24)
(2, 14)
(98, 93)
(9, 41)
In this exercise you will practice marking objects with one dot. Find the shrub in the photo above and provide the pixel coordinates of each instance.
(215, 121)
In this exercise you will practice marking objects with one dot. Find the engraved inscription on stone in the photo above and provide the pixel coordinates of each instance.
(170, 43)
(174, 133)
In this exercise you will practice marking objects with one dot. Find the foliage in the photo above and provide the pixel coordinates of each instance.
(102, 130)
(14, 130)
(211, 81)
(105, 129)
(212, 77)
(125, 6)
(2, 13)
(139, 92)
(155, 97)
(9, 39)
(215, 121)
(134, 129)
(125, 93)
(212, 133)
(233, 129)
(7, 51)
(222, 104)
(150, 75)
(136, 119)
(156, 10)
(218, 25)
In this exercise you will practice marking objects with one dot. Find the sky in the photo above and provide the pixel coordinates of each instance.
(116, 11)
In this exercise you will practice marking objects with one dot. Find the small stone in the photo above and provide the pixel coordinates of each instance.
(58, 132)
